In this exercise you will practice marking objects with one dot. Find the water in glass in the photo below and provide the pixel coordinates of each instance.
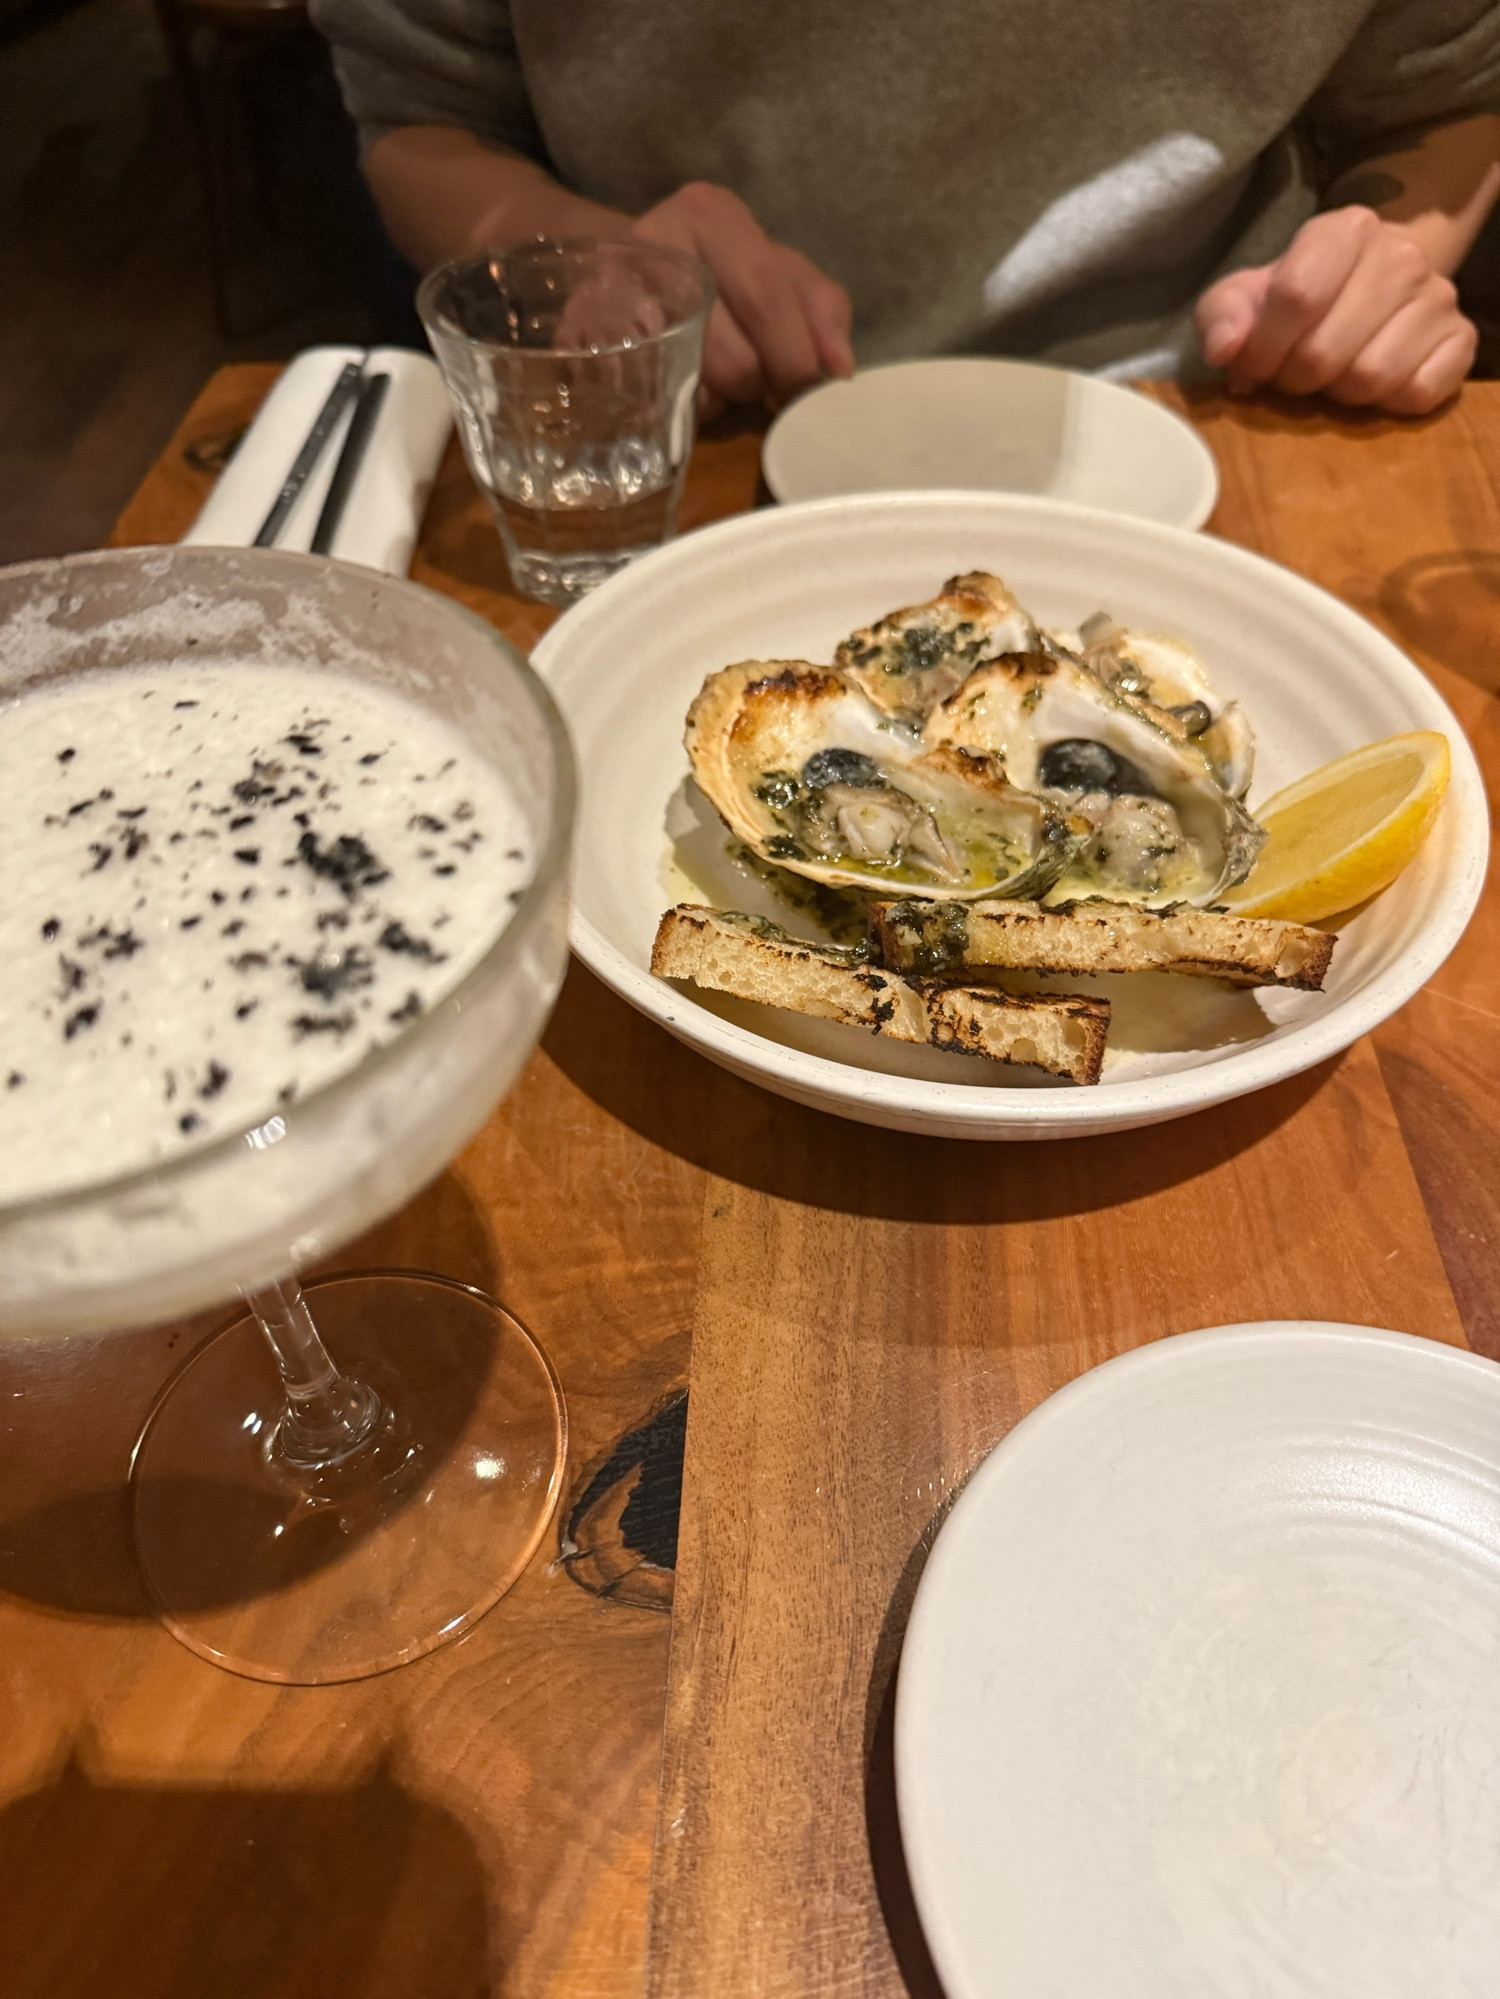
(573, 369)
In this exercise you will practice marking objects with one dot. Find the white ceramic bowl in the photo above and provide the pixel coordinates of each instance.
(789, 582)
(996, 426)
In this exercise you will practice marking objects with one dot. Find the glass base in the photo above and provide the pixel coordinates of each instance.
(312, 1577)
(550, 578)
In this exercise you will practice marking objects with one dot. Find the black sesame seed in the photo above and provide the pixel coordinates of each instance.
(14, 1080)
(345, 971)
(190, 923)
(347, 861)
(66, 756)
(321, 1023)
(77, 1022)
(396, 937)
(214, 1081)
(249, 855)
(259, 784)
(50, 929)
(189, 1121)
(245, 1008)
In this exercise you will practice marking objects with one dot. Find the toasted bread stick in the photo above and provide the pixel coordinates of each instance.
(754, 959)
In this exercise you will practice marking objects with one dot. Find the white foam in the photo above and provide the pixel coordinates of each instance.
(242, 879)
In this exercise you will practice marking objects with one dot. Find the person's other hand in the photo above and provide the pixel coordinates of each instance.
(779, 323)
(1353, 309)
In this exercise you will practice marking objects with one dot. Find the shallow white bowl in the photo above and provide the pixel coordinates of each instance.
(995, 426)
(789, 582)
(1198, 1697)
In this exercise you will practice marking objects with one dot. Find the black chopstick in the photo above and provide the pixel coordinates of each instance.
(312, 450)
(361, 424)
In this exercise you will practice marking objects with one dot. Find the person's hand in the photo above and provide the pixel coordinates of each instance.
(1353, 309)
(779, 323)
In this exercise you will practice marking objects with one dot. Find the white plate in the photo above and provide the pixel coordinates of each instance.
(789, 582)
(995, 426)
(1200, 1699)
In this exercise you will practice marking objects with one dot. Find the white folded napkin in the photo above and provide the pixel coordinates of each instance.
(389, 496)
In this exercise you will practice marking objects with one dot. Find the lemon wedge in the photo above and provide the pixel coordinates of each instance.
(1344, 832)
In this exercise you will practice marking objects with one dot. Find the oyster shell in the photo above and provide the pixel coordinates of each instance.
(1167, 679)
(913, 659)
(809, 774)
(1158, 825)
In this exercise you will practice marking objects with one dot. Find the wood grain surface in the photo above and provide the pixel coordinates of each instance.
(868, 1314)
(875, 1312)
(481, 1822)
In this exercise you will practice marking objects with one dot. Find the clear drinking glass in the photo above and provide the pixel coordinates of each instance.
(337, 1482)
(574, 370)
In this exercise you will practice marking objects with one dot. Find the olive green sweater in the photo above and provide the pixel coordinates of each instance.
(1053, 177)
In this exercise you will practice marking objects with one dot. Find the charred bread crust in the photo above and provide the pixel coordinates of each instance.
(1063, 1033)
(727, 951)
(752, 958)
(1097, 936)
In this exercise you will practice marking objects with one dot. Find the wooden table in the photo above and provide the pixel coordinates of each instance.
(560, 1804)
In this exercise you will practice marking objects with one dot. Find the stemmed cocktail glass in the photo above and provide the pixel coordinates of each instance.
(340, 1480)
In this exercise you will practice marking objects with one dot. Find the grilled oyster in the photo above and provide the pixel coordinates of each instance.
(1165, 678)
(810, 775)
(913, 659)
(1160, 826)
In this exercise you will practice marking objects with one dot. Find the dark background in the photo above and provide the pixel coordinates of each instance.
(107, 320)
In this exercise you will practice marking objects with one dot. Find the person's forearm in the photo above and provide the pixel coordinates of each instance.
(444, 193)
(1440, 189)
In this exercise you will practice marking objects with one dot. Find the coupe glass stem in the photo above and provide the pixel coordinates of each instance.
(328, 1415)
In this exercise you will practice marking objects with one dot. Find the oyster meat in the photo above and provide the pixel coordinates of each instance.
(1153, 822)
(810, 775)
(913, 659)
(1165, 678)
